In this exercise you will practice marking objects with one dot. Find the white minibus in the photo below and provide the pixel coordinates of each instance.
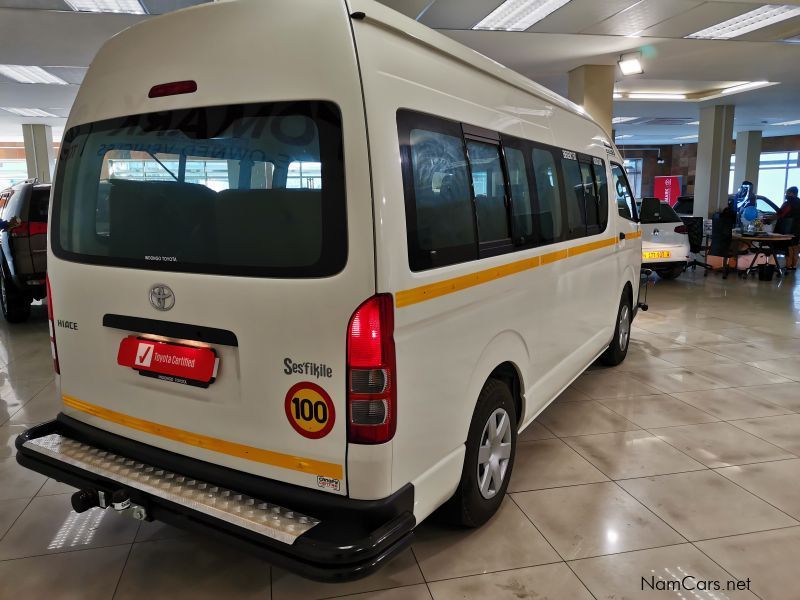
(312, 268)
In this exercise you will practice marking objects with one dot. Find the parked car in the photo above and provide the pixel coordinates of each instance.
(24, 248)
(665, 240)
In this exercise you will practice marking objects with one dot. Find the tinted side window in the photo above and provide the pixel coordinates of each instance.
(488, 185)
(591, 200)
(548, 190)
(521, 206)
(601, 181)
(625, 202)
(439, 214)
(40, 200)
(574, 190)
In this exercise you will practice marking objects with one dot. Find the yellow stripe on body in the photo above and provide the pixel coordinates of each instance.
(267, 457)
(456, 284)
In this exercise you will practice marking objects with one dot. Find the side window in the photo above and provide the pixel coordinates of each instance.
(548, 193)
(488, 185)
(625, 201)
(574, 190)
(591, 199)
(521, 206)
(601, 181)
(439, 213)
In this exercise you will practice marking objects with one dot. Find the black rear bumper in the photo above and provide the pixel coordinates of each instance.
(353, 538)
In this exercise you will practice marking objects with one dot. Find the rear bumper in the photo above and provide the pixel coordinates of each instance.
(352, 539)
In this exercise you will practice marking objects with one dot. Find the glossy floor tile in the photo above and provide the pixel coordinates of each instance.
(699, 429)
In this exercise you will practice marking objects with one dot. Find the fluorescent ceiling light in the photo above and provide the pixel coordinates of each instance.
(133, 7)
(744, 86)
(749, 21)
(519, 15)
(630, 64)
(27, 112)
(656, 96)
(693, 123)
(687, 137)
(25, 74)
(618, 120)
(617, 96)
(787, 123)
(622, 137)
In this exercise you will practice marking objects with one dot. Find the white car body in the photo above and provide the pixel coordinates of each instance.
(541, 313)
(665, 244)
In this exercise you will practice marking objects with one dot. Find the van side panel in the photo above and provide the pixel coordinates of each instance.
(549, 321)
(252, 51)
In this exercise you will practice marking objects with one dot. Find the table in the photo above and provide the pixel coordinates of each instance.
(762, 244)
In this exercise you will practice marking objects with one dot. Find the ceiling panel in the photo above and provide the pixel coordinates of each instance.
(698, 18)
(159, 7)
(641, 16)
(72, 75)
(35, 4)
(458, 14)
(579, 15)
(410, 8)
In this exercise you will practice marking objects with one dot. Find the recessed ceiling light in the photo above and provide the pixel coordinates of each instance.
(787, 123)
(631, 64)
(687, 137)
(622, 137)
(656, 96)
(133, 7)
(744, 86)
(25, 74)
(27, 112)
(617, 96)
(749, 21)
(693, 123)
(519, 15)
(618, 120)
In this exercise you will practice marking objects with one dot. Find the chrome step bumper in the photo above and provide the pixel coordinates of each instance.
(226, 505)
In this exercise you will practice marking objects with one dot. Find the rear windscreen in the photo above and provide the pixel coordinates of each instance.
(240, 190)
(40, 199)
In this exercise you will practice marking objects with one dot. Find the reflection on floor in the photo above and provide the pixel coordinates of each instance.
(683, 461)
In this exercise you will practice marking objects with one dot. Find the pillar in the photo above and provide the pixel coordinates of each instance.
(748, 158)
(714, 149)
(592, 86)
(39, 154)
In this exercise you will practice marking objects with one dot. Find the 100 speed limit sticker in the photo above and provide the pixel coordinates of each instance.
(310, 410)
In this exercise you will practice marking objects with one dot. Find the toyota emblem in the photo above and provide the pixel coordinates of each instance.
(162, 297)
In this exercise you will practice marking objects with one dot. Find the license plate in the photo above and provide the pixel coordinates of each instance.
(657, 254)
(175, 363)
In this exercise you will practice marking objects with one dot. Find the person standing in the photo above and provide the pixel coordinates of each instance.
(791, 210)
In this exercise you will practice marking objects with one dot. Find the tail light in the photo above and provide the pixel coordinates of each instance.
(372, 387)
(28, 228)
(53, 349)
(681, 229)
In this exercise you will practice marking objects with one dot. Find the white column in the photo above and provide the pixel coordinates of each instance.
(714, 150)
(748, 158)
(39, 151)
(592, 86)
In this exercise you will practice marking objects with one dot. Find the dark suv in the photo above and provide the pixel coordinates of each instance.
(24, 248)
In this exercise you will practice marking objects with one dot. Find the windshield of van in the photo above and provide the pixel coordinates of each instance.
(238, 190)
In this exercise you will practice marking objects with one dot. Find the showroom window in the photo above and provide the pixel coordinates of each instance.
(777, 172)
(233, 190)
(12, 171)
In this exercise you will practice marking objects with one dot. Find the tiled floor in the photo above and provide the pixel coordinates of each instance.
(685, 460)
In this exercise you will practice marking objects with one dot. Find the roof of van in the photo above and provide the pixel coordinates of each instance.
(389, 18)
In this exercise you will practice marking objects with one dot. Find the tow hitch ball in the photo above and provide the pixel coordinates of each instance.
(119, 500)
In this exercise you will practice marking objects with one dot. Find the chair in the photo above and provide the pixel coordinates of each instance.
(695, 229)
(784, 226)
(722, 238)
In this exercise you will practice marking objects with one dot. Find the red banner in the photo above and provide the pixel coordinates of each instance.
(667, 189)
(181, 364)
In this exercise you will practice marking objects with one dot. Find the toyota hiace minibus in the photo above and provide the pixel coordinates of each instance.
(312, 268)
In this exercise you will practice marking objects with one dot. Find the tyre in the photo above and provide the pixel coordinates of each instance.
(491, 446)
(618, 349)
(672, 273)
(16, 305)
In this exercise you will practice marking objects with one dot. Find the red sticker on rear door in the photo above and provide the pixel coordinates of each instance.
(175, 363)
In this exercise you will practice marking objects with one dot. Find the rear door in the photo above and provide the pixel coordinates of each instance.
(208, 264)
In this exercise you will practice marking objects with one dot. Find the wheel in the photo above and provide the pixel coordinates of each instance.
(16, 305)
(672, 273)
(618, 349)
(489, 459)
